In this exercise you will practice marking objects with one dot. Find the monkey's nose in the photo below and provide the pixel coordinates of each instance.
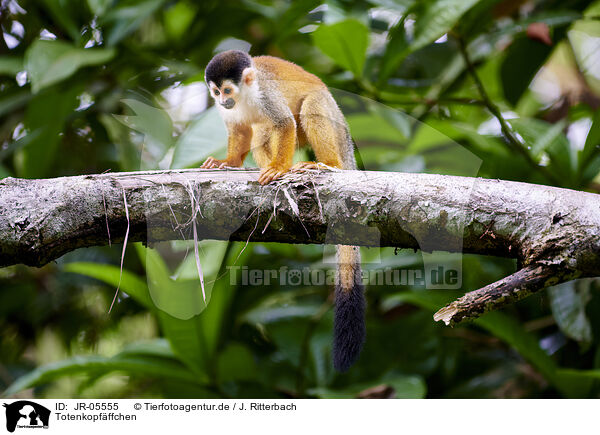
(229, 103)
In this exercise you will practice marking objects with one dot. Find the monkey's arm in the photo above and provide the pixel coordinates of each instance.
(282, 146)
(282, 139)
(238, 146)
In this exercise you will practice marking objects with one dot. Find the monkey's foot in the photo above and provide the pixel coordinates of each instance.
(304, 166)
(269, 174)
(212, 163)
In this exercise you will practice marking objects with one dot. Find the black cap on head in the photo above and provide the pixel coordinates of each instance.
(227, 65)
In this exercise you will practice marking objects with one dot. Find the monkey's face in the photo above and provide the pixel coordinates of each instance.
(226, 95)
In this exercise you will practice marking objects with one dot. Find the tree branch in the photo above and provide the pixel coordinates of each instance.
(519, 285)
(555, 233)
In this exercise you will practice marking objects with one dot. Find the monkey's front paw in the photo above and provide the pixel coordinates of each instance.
(304, 166)
(269, 174)
(211, 163)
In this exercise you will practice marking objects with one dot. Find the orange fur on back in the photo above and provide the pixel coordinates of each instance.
(292, 81)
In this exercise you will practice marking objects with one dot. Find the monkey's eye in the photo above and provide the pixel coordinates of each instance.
(217, 92)
(227, 91)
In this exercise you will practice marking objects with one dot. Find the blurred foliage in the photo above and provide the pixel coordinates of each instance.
(98, 85)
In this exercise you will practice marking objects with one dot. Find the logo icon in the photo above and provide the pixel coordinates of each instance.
(26, 414)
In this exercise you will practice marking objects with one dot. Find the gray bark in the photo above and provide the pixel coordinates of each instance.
(551, 230)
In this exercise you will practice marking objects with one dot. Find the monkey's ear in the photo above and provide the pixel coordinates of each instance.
(248, 76)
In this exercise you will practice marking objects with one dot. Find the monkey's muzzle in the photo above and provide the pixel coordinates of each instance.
(229, 103)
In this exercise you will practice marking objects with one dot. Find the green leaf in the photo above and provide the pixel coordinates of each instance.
(10, 65)
(47, 113)
(63, 12)
(13, 101)
(184, 329)
(131, 284)
(266, 312)
(214, 319)
(540, 135)
(395, 51)
(126, 18)
(581, 376)
(439, 17)
(154, 122)
(522, 60)
(509, 331)
(211, 254)
(345, 42)
(568, 302)
(549, 138)
(590, 149)
(281, 306)
(395, 5)
(236, 363)
(49, 62)
(158, 347)
(180, 298)
(373, 128)
(204, 137)
(443, 154)
(97, 365)
(430, 300)
(128, 152)
(552, 18)
(4, 172)
(196, 340)
(178, 18)
(99, 7)
(287, 335)
(405, 387)
(19, 144)
(187, 339)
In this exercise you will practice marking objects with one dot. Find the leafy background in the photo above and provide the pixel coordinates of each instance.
(492, 88)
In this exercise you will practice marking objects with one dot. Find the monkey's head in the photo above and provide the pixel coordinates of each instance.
(227, 74)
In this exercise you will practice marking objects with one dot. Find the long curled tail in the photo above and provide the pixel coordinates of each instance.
(349, 321)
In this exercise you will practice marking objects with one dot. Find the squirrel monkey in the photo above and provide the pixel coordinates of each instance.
(270, 105)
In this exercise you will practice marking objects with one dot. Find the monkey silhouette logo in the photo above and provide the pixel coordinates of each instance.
(26, 414)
